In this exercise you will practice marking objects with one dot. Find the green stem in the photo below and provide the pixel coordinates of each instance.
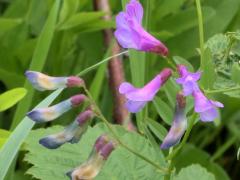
(223, 148)
(222, 90)
(101, 62)
(201, 30)
(185, 138)
(109, 126)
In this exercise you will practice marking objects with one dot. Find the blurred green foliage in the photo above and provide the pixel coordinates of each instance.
(72, 41)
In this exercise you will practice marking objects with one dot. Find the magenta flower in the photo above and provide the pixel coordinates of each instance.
(188, 80)
(179, 125)
(131, 34)
(101, 151)
(44, 82)
(205, 107)
(71, 133)
(138, 97)
(50, 113)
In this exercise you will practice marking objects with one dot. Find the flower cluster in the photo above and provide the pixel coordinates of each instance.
(131, 34)
(74, 131)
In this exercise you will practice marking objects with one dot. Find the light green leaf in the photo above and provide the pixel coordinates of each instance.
(120, 165)
(171, 89)
(235, 75)
(157, 129)
(6, 24)
(164, 110)
(11, 97)
(4, 134)
(194, 171)
(208, 75)
(180, 60)
(69, 7)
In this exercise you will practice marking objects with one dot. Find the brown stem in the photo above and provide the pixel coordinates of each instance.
(115, 69)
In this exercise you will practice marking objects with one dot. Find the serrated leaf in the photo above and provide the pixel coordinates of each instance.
(120, 165)
(11, 97)
(194, 171)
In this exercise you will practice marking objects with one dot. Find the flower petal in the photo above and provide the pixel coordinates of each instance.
(135, 106)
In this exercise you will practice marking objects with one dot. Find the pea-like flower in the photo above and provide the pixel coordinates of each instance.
(138, 97)
(188, 80)
(102, 149)
(205, 107)
(179, 124)
(131, 34)
(50, 113)
(71, 133)
(44, 82)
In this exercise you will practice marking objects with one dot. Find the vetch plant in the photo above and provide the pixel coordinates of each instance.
(87, 144)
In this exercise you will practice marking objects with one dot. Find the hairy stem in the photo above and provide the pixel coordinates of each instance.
(109, 126)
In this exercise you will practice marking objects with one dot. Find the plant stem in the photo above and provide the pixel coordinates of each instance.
(109, 126)
(223, 148)
(201, 31)
(185, 138)
(101, 62)
(221, 90)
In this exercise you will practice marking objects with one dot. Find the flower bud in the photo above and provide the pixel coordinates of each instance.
(50, 113)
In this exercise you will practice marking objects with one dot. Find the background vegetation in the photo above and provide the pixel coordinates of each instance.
(63, 38)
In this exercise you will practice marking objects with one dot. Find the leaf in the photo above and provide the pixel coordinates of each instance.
(38, 61)
(208, 75)
(194, 171)
(4, 134)
(120, 165)
(235, 73)
(11, 97)
(83, 18)
(192, 155)
(157, 129)
(6, 24)
(69, 7)
(11, 147)
(164, 111)
(171, 89)
(180, 60)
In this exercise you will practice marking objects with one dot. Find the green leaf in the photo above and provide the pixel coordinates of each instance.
(208, 75)
(235, 73)
(194, 171)
(4, 134)
(171, 89)
(120, 165)
(11, 147)
(38, 61)
(6, 24)
(84, 18)
(69, 7)
(192, 155)
(158, 130)
(11, 97)
(180, 60)
(164, 111)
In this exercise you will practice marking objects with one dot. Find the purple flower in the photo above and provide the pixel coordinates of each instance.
(97, 158)
(179, 125)
(205, 107)
(131, 34)
(71, 133)
(44, 82)
(138, 97)
(50, 113)
(188, 80)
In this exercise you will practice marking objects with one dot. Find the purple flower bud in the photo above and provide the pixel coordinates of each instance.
(44, 82)
(188, 80)
(138, 97)
(179, 124)
(131, 34)
(96, 160)
(71, 133)
(205, 107)
(84, 117)
(50, 113)
(106, 150)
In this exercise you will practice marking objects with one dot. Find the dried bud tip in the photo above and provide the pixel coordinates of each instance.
(106, 150)
(84, 117)
(165, 74)
(78, 99)
(100, 142)
(181, 100)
